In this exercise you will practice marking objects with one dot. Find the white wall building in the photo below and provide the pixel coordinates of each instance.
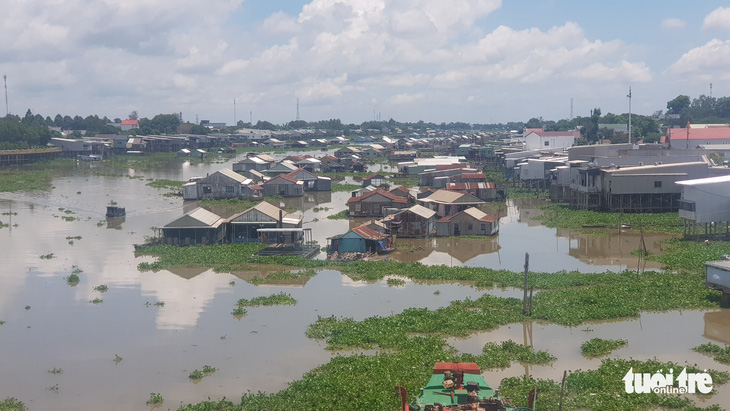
(550, 140)
(705, 200)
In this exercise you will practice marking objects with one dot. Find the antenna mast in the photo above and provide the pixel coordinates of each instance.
(234, 112)
(5, 80)
(571, 109)
(297, 108)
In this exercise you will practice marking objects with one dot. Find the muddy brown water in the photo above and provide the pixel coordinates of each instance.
(266, 349)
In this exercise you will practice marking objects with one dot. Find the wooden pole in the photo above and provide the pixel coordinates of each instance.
(530, 301)
(562, 391)
(524, 289)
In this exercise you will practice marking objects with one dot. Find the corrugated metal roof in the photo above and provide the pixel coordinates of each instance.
(391, 196)
(232, 175)
(421, 211)
(368, 233)
(451, 197)
(709, 133)
(469, 186)
(198, 218)
(703, 181)
(479, 214)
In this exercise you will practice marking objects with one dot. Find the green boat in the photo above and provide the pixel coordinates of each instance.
(457, 386)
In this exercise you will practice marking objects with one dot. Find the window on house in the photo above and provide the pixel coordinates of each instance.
(358, 207)
(547, 143)
(229, 190)
(657, 184)
(484, 227)
(469, 227)
(207, 190)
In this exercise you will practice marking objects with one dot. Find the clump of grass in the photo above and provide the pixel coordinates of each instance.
(207, 370)
(718, 353)
(47, 256)
(117, 359)
(282, 277)
(239, 312)
(155, 399)
(56, 371)
(96, 300)
(101, 288)
(196, 375)
(112, 203)
(160, 304)
(395, 282)
(598, 346)
(27, 307)
(274, 299)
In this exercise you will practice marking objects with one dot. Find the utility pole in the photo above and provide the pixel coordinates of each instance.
(571, 109)
(234, 112)
(297, 108)
(629, 96)
(5, 80)
(710, 89)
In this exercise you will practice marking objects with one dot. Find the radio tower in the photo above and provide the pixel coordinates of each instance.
(5, 80)
(297, 108)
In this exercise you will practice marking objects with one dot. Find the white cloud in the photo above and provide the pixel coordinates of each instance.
(719, 19)
(673, 23)
(623, 72)
(708, 61)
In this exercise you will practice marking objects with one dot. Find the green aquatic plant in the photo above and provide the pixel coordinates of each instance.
(342, 215)
(56, 371)
(117, 359)
(155, 399)
(719, 353)
(207, 369)
(12, 404)
(47, 256)
(96, 300)
(239, 312)
(101, 288)
(274, 299)
(72, 279)
(196, 375)
(598, 346)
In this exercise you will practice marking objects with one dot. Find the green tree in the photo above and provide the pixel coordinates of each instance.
(677, 104)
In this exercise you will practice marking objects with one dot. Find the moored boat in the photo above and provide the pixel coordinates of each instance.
(456, 386)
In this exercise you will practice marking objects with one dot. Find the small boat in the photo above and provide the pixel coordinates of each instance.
(114, 211)
(456, 386)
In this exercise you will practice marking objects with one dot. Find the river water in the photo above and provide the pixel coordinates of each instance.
(50, 324)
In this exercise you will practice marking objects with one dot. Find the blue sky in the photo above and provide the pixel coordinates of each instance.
(474, 61)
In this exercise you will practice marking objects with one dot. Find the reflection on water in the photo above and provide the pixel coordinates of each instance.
(266, 349)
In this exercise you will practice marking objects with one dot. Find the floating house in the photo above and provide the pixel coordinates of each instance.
(447, 203)
(224, 183)
(283, 167)
(360, 239)
(312, 182)
(471, 221)
(244, 226)
(199, 226)
(252, 163)
(374, 203)
(416, 222)
(283, 185)
(375, 180)
(483, 191)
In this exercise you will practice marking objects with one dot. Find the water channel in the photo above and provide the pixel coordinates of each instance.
(49, 324)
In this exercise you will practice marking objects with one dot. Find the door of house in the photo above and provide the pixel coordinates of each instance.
(457, 231)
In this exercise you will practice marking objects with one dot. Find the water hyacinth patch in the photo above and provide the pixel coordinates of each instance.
(274, 299)
(598, 346)
(719, 353)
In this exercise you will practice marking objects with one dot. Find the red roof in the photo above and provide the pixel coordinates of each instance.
(256, 187)
(368, 233)
(285, 177)
(469, 186)
(444, 219)
(372, 176)
(130, 122)
(331, 157)
(391, 196)
(401, 189)
(709, 133)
